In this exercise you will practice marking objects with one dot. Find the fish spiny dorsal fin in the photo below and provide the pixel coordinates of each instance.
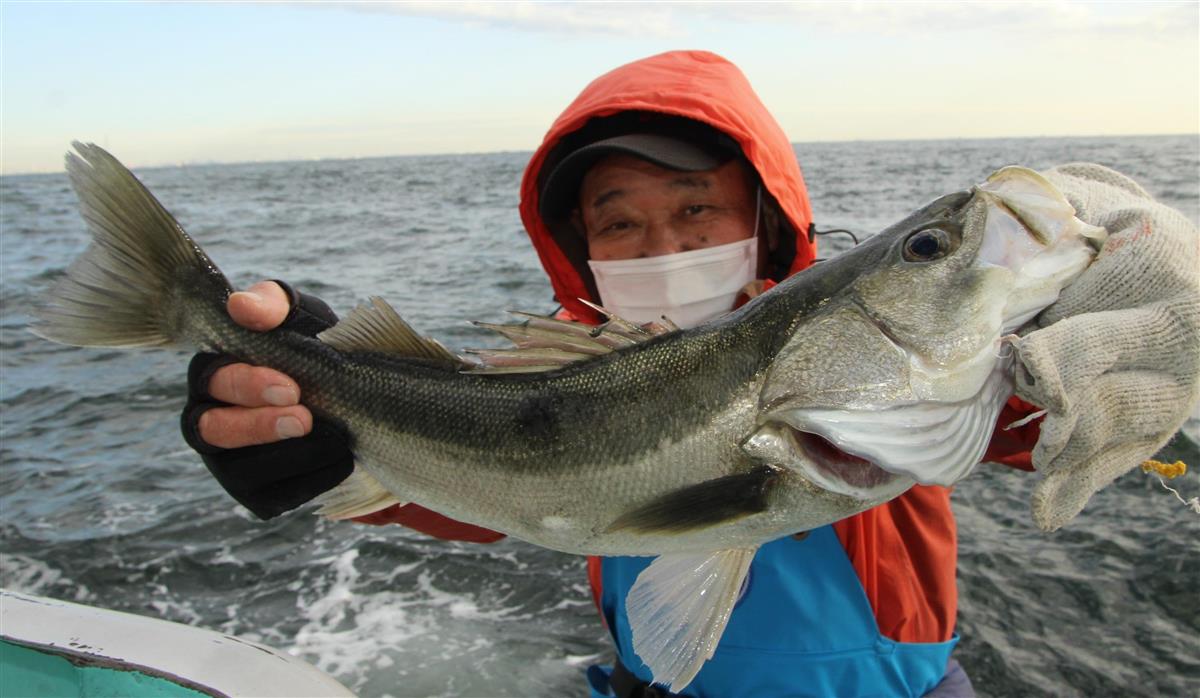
(544, 344)
(377, 327)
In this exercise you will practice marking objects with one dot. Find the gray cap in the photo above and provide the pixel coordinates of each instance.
(560, 192)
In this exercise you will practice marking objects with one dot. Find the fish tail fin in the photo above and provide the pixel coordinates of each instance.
(134, 284)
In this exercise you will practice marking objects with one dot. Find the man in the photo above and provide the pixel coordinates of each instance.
(659, 173)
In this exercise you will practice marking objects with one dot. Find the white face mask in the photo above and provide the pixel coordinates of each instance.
(687, 287)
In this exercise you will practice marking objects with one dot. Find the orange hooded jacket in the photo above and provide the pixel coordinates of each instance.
(905, 551)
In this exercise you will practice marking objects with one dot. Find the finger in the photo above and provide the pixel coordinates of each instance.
(253, 386)
(263, 306)
(235, 427)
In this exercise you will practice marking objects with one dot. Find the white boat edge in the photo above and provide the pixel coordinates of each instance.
(203, 660)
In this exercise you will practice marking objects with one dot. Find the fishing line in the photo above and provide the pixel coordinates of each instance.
(1026, 419)
(1009, 342)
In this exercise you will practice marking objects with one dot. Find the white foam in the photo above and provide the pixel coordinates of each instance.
(582, 660)
(345, 630)
(396, 631)
(27, 575)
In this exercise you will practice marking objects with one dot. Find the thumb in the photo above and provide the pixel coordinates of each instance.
(262, 307)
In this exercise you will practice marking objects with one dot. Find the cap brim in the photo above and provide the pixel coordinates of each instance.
(560, 193)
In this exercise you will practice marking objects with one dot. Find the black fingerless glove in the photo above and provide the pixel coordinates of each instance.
(271, 479)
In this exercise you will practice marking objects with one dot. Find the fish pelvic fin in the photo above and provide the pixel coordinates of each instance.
(377, 327)
(358, 495)
(127, 287)
(678, 609)
(709, 503)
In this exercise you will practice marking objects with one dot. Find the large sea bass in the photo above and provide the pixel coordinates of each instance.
(826, 396)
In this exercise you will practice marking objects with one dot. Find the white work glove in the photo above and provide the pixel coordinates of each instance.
(1116, 359)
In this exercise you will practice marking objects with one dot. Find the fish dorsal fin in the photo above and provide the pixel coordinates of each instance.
(544, 343)
(678, 609)
(357, 495)
(378, 327)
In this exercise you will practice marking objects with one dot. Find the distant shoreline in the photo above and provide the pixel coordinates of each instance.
(222, 163)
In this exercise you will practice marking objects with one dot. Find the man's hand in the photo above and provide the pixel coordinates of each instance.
(1116, 363)
(269, 452)
(264, 403)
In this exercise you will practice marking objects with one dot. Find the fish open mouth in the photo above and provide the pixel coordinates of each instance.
(833, 469)
(823, 463)
(833, 462)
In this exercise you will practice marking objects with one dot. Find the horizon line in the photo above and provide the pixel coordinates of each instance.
(270, 161)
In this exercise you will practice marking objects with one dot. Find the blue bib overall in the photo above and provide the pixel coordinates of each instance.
(803, 627)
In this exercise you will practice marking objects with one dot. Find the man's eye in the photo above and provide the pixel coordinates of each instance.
(696, 209)
(615, 227)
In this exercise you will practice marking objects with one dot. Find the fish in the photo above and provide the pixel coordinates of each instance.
(833, 392)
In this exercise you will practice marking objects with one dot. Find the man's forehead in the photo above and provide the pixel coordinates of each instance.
(617, 175)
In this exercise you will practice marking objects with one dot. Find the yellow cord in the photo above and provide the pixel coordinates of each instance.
(1167, 470)
(1171, 471)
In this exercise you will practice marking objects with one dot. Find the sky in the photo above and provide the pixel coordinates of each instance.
(162, 83)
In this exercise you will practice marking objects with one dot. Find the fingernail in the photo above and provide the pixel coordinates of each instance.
(288, 427)
(280, 395)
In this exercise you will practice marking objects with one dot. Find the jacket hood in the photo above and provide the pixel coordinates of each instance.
(693, 84)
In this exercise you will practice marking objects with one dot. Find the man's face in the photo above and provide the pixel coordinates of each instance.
(630, 208)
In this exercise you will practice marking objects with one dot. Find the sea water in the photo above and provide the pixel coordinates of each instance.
(101, 502)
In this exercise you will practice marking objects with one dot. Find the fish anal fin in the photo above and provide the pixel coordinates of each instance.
(378, 327)
(706, 504)
(678, 609)
(357, 495)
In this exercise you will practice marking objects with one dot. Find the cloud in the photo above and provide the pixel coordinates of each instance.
(1043, 19)
(673, 20)
(620, 19)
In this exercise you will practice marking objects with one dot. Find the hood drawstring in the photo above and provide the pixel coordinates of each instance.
(813, 233)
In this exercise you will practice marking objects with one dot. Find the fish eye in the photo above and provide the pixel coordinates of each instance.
(927, 244)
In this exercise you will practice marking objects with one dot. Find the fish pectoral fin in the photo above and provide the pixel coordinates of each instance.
(357, 495)
(378, 327)
(678, 609)
(706, 504)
